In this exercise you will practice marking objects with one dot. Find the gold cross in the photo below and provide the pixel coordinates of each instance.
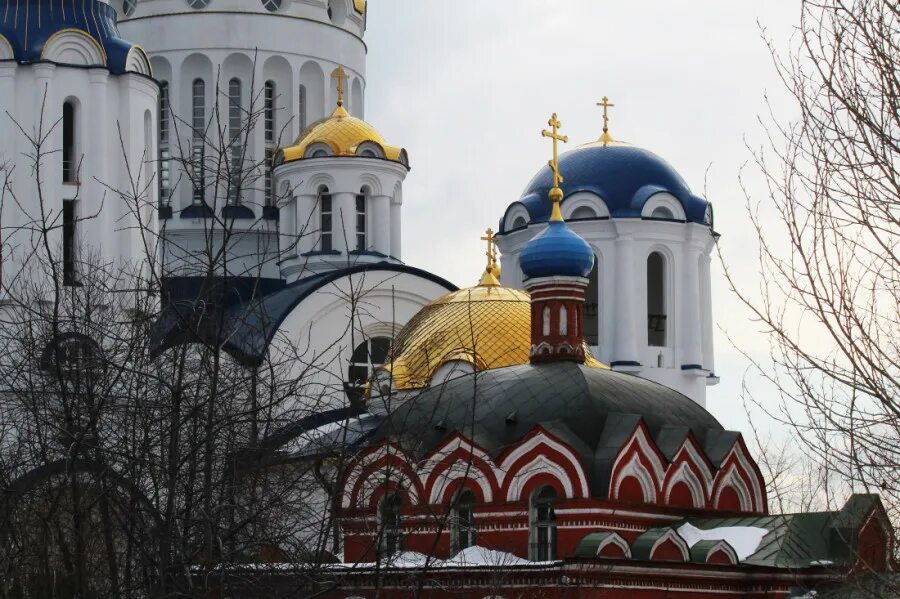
(491, 272)
(340, 74)
(491, 255)
(606, 106)
(554, 163)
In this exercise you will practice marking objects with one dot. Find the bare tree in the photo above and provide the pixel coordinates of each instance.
(829, 287)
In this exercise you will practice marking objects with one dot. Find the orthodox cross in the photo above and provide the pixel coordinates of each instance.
(340, 74)
(606, 106)
(556, 137)
(491, 254)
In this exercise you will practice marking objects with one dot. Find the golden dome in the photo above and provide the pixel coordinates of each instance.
(343, 135)
(488, 326)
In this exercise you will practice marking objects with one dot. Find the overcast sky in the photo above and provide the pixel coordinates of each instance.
(467, 85)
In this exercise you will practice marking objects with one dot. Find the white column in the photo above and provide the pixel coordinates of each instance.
(691, 348)
(625, 316)
(706, 312)
(381, 224)
(396, 204)
(306, 224)
(100, 157)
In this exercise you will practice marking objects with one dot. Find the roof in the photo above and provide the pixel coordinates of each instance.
(593, 410)
(28, 25)
(557, 251)
(487, 326)
(624, 176)
(253, 308)
(344, 135)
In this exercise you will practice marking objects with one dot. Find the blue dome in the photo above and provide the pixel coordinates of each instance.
(556, 251)
(624, 176)
(28, 25)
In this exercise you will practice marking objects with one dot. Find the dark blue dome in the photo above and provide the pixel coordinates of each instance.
(624, 176)
(28, 25)
(556, 251)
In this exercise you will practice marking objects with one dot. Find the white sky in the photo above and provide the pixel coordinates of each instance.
(467, 85)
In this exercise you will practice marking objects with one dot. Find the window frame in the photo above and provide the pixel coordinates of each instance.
(542, 525)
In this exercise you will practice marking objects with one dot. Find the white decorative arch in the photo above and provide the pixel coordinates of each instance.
(686, 475)
(515, 213)
(460, 470)
(616, 539)
(584, 199)
(374, 481)
(317, 180)
(663, 199)
(450, 370)
(725, 548)
(318, 150)
(646, 449)
(538, 466)
(541, 438)
(6, 49)
(732, 479)
(137, 61)
(372, 182)
(74, 47)
(635, 468)
(384, 451)
(694, 455)
(672, 535)
(370, 149)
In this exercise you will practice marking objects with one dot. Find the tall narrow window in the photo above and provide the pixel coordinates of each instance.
(563, 321)
(361, 220)
(656, 300)
(234, 135)
(165, 157)
(269, 124)
(324, 219)
(390, 522)
(198, 126)
(68, 153)
(545, 328)
(463, 521)
(543, 525)
(68, 245)
(301, 107)
(368, 355)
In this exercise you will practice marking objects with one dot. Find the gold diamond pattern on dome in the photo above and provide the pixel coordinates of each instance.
(343, 134)
(488, 326)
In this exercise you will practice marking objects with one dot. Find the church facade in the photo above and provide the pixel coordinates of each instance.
(543, 433)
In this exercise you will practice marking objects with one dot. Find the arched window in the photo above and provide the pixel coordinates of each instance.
(542, 525)
(463, 523)
(269, 125)
(545, 329)
(361, 203)
(583, 212)
(271, 5)
(368, 355)
(165, 120)
(519, 222)
(301, 107)
(198, 126)
(69, 159)
(662, 212)
(234, 135)
(656, 300)
(128, 7)
(592, 306)
(389, 520)
(563, 321)
(324, 219)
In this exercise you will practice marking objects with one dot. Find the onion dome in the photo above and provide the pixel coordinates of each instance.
(623, 176)
(341, 135)
(556, 251)
(487, 326)
(27, 30)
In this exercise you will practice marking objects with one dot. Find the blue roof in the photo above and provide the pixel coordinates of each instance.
(624, 176)
(28, 24)
(556, 251)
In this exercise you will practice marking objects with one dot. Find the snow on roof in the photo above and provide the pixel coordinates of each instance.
(743, 539)
(469, 557)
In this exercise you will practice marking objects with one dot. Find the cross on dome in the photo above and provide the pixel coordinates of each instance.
(491, 271)
(606, 106)
(340, 74)
(556, 193)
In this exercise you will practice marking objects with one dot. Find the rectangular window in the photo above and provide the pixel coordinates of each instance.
(269, 122)
(360, 222)
(301, 107)
(198, 125)
(325, 221)
(69, 236)
(234, 132)
(68, 153)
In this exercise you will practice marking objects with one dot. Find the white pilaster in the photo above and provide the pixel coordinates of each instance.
(626, 304)
(396, 203)
(691, 345)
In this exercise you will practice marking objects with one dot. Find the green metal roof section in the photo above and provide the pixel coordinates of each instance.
(589, 545)
(641, 547)
(812, 539)
(700, 550)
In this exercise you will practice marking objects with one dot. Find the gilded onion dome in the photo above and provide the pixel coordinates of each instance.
(487, 326)
(341, 135)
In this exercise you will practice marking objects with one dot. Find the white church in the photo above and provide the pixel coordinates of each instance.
(152, 94)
